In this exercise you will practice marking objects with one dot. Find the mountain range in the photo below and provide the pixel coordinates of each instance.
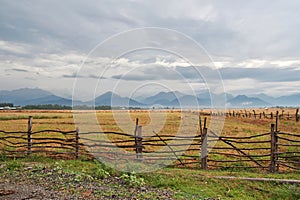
(28, 96)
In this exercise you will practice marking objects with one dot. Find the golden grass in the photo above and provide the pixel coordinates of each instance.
(63, 120)
(168, 122)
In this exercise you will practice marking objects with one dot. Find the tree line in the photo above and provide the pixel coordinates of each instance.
(64, 107)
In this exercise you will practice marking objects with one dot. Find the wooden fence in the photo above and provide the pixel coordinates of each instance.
(273, 151)
(264, 115)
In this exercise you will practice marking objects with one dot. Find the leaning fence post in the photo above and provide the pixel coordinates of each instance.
(77, 143)
(273, 149)
(139, 143)
(200, 124)
(29, 140)
(297, 115)
(204, 147)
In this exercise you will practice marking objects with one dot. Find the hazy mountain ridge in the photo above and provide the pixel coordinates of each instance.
(22, 96)
(112, 99)
(28, 96)
(245, 101)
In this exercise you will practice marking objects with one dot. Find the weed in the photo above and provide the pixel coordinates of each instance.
(100, 173)
(3, 156)
(14, 165)
(133, 180)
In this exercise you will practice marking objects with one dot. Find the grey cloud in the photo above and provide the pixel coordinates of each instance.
(31, 79)
(237, 29)
(17, 70)
(75, 75)
(43, 23)
(96, 77)
(201, 73)
(197, 72)
(262, 74)
(136, 77)
(150, 73)
(164, 73)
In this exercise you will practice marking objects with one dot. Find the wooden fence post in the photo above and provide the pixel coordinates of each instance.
(297, 115)
(204, 146)
(273, 149)
(254, 114)
(200, 124)
(29, 140)
(204, 149)
(139, 143)
(271, 115)
(277, 118)
(77, 143)
(135, 131)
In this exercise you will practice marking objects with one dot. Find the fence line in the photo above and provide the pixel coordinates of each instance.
(273, 151)
(263, 115)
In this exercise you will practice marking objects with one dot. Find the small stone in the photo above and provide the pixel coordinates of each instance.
(6, 192)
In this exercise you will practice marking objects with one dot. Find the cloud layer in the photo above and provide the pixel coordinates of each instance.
(43, 43)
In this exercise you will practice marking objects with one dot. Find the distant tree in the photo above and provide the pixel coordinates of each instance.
(6, 104)
(47, 107)
(103, 108)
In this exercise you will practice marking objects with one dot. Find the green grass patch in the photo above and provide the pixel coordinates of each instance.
(186, 183)
(198, 184)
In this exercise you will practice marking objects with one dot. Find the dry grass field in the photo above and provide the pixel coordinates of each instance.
(167, 122)
(186, 183)
(63, 120)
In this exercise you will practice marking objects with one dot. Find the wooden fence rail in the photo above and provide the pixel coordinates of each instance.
(271, 151)
(264, 115)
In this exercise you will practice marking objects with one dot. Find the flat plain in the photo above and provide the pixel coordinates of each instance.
(174, 183)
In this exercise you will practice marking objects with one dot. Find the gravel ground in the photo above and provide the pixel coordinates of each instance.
(33, 182)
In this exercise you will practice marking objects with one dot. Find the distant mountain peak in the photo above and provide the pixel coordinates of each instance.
(245, 101)
(26, 96)
(112, 99)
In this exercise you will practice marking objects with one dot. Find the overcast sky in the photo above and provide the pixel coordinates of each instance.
(255, 45)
